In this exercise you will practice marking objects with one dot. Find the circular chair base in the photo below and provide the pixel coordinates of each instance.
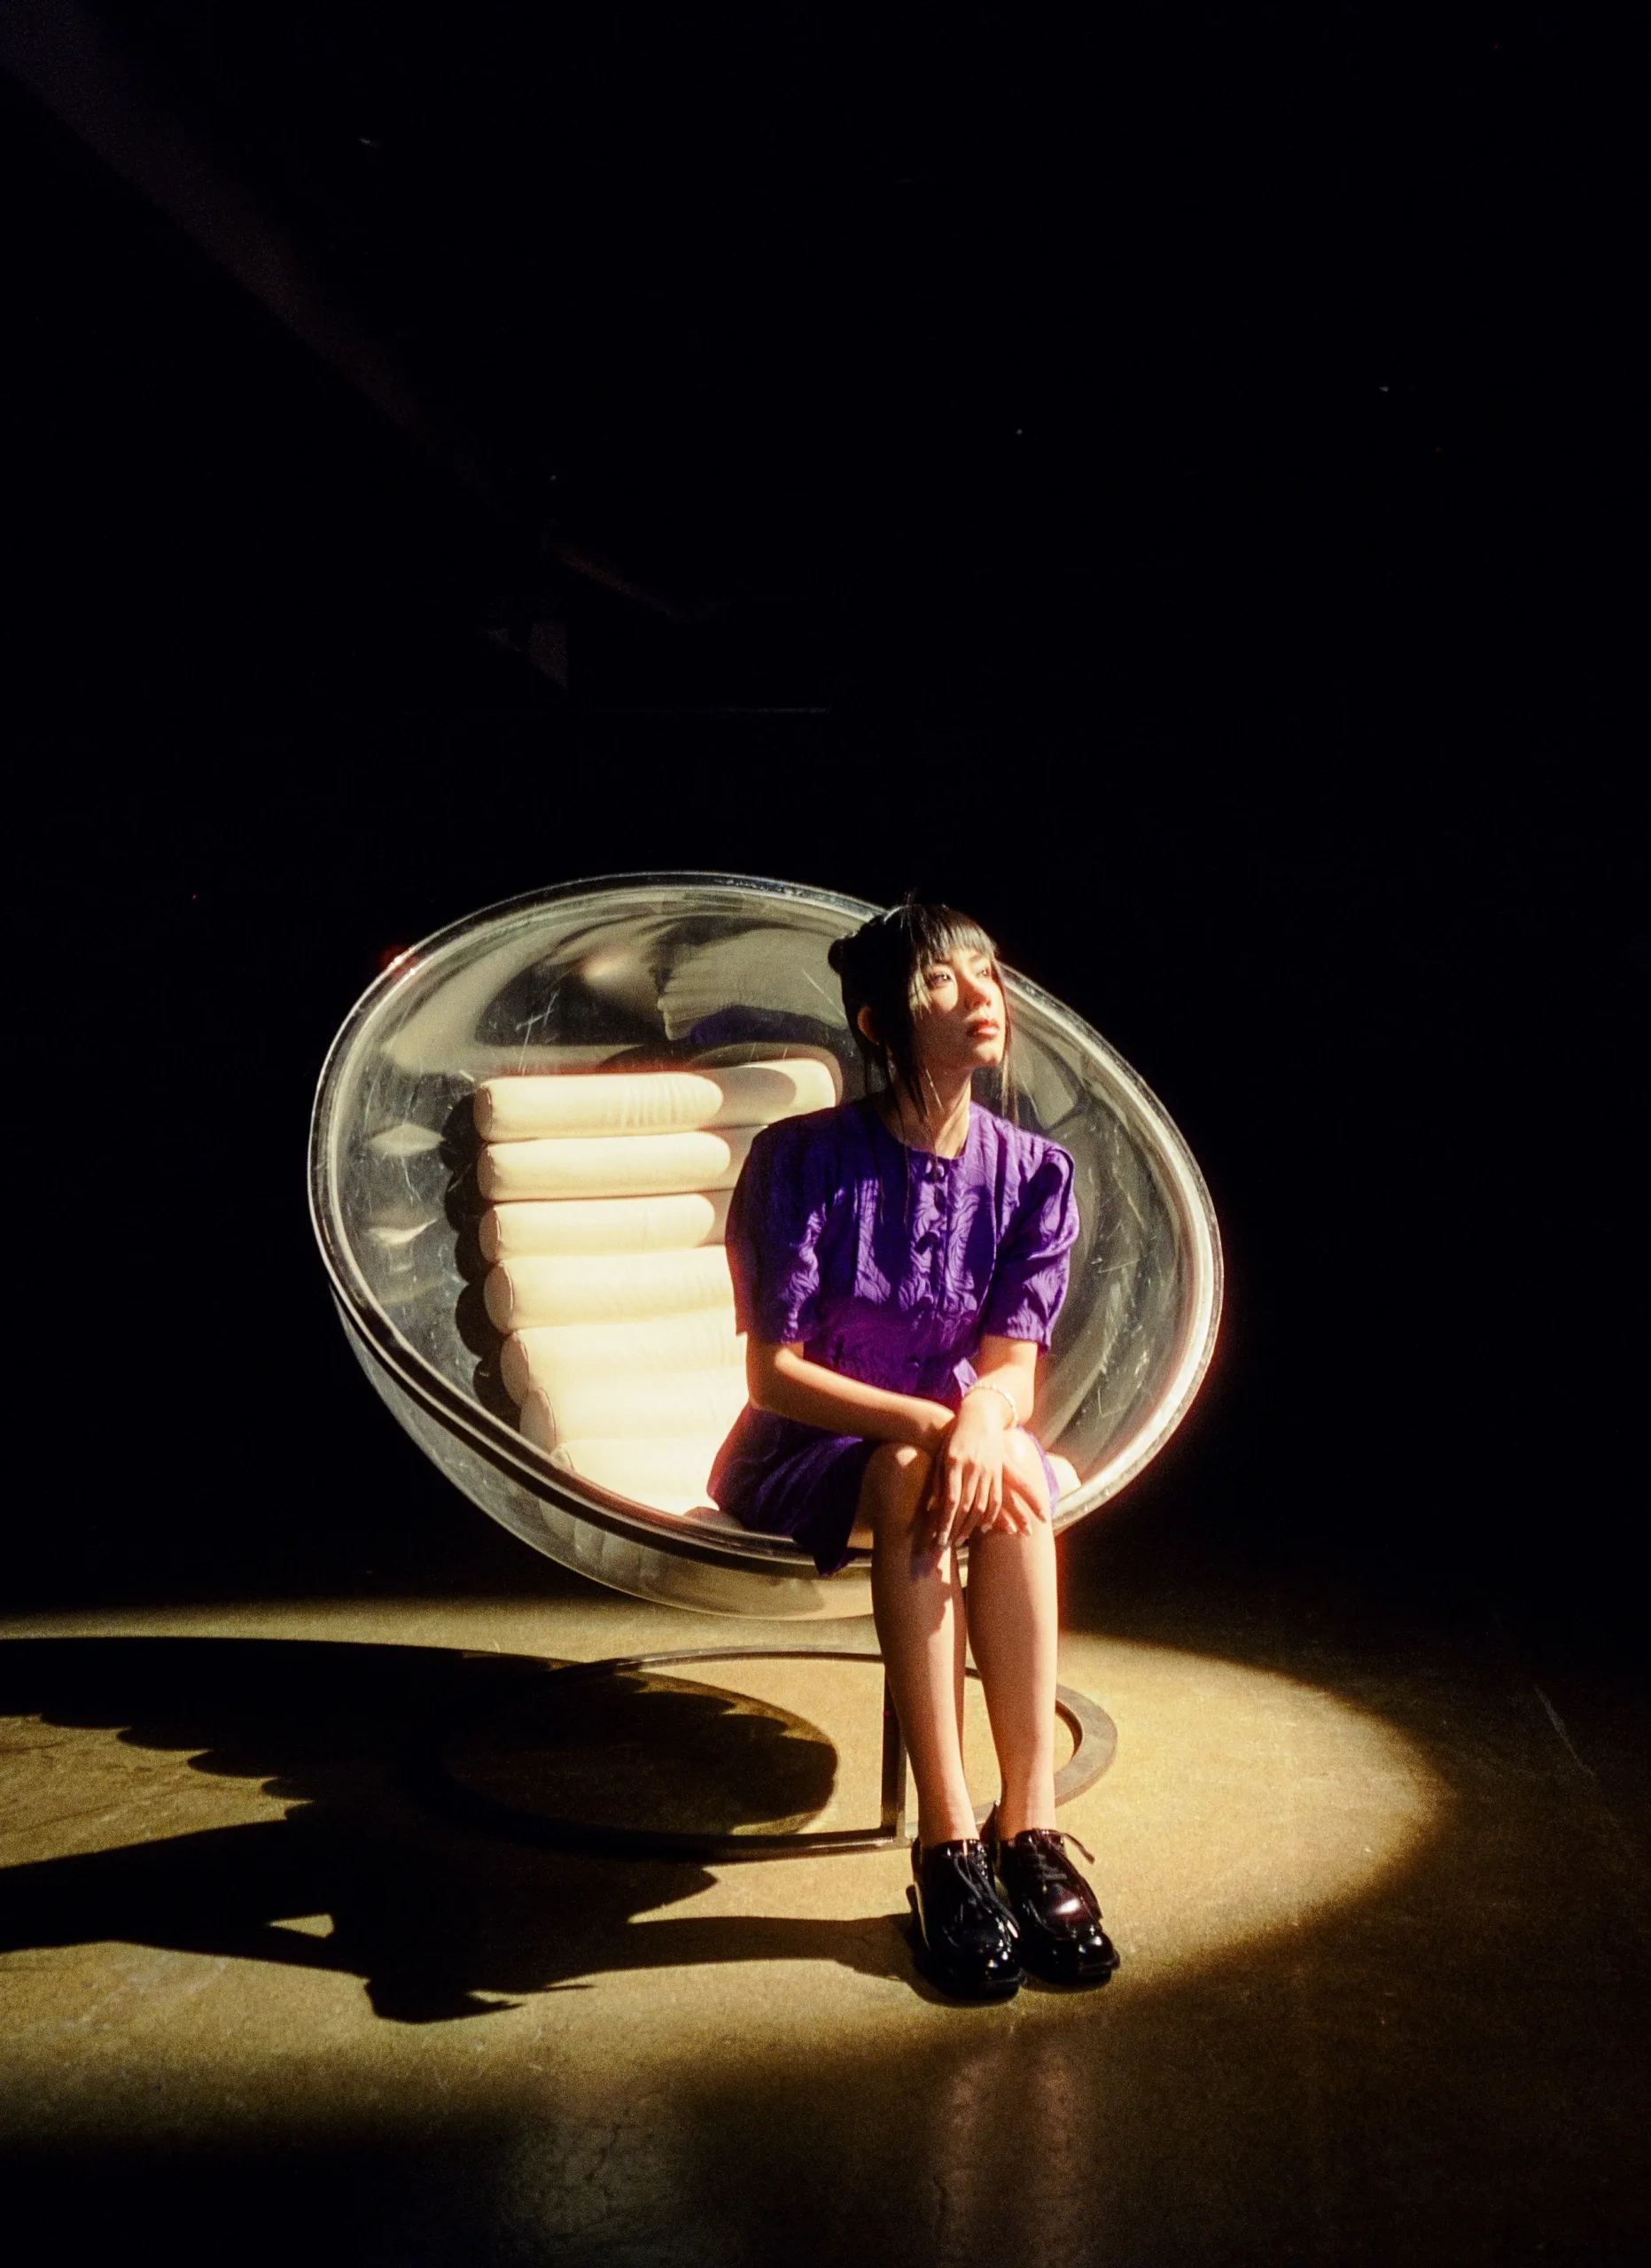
(1095, 1742)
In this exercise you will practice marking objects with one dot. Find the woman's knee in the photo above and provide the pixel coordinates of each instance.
(896, 1481)
(1020, 1455)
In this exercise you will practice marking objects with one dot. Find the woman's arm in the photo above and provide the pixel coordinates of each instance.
(973, 1486)
(1009, 1366)
(780, 1379)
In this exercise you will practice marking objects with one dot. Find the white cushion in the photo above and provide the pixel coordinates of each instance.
(604, 1225)
(551, 1356)
(610, 1288)
(613, 1165)
(668, 1474)
(703, 1403)
(609, 1202)
(652, 1102)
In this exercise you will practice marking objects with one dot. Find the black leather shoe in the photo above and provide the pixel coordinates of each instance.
(1055, 1912)
(967, 1940)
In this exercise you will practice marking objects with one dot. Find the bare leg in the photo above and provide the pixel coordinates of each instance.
(1013, 1624)
(918, 1602)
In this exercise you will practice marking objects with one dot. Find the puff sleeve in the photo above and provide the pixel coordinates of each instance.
(1029, 1280)
(777, 1218)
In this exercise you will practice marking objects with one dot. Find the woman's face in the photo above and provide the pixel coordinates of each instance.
(961, 1024)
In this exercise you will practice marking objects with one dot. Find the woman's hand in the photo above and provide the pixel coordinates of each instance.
(973, 1486)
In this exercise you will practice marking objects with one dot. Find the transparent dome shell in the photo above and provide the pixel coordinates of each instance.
(654, 969)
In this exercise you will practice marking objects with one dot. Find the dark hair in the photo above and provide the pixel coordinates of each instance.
(882, 968)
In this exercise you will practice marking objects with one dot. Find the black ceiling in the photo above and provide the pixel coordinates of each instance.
(767, 301)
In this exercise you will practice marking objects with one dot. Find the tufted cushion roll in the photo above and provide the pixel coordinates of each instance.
(615, 1165)
(553, 1355)
(608, 1282)
(668, 1474)
(604, 1225)
(703, 1403)
(614, 1287)
(651, 1102)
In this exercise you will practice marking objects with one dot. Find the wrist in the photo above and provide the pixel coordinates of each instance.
(935, 1424)
(997, 1398)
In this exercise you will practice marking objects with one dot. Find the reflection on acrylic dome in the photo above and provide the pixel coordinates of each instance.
(437, 1244)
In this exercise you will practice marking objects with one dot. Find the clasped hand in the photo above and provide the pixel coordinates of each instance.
(976, 1483)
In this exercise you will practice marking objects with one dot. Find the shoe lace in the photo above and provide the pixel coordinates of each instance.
(1038, 1838)
(968, 1862)
(1039, 1843)
(977, 1864)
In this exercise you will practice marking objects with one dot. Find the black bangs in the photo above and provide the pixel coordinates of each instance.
(937, 932)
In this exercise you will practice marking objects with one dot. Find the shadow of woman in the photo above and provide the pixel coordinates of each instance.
(438, 1922)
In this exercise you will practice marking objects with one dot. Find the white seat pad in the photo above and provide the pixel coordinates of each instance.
(604, 1225)
(652, 1102)
(608, 1199)
(611, 1287)
(554, 1355)
(703, 1403)
(613, 1165)
(667, 1474)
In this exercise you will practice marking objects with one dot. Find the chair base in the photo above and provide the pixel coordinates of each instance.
(1095, 1742)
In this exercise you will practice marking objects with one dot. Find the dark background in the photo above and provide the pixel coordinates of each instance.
(1153, 475)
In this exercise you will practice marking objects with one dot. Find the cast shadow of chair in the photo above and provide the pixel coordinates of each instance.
(346, 1733)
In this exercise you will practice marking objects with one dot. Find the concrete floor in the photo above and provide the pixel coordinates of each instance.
(1383, 1922)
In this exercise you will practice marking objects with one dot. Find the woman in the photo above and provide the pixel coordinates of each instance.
(897, 1263)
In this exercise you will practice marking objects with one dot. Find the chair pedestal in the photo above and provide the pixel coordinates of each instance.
(1094, 1741)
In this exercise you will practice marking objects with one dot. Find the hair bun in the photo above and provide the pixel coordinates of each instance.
(834, 954)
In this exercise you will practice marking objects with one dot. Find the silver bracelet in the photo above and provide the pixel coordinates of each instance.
(990, 1385)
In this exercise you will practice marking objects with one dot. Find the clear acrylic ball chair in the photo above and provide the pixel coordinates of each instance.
(707, 970)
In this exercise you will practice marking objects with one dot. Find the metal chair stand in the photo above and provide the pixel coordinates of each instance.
(1095, 1738)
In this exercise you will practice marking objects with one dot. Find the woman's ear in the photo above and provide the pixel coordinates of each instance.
(867, 1026)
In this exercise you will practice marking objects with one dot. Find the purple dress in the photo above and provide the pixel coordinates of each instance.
(890, 1265)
